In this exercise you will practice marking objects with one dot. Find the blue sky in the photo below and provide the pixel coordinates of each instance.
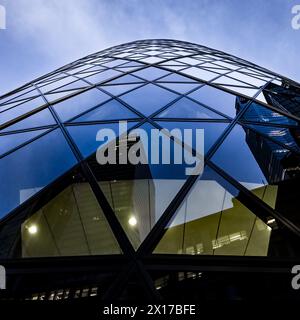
(42, 35)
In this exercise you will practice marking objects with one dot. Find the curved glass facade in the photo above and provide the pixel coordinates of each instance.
(57, 200)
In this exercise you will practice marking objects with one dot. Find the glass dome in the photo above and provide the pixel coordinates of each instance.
(57, 200)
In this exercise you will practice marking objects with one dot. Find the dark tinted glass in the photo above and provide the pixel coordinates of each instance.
(31, 168)
(217, 99)
(75, 105)
(149, 98)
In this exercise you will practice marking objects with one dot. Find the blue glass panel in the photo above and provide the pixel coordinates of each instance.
(21, 109)
(27, 93)
(216, 99)
(75, 105)
(149, 98)
(119, 88)
(174, 77)
(212, 130)
(31, 168)
(103, 76)
(52, 85)
(236, 158)
(181, 88)
(264, 167)
(259, 113)
(85, 136)
(39, 119)
(73, 85)
(10, 141)
(186, 108)
(112, 110)
(59, 95)
(151, 73)
(125, 79)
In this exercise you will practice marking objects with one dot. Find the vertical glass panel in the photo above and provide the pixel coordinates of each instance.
(186, 108)
(34, 166)
(70, 224)
(212, 130)
(10, 141)
(149, 98)
(217, 99)
(75, 105)
(112, 110)
(39, 119)
(85, 135)
(212, 221)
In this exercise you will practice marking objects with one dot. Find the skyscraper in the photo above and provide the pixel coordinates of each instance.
(118, 229)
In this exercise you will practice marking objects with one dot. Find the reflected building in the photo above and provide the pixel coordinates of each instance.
(149, 231)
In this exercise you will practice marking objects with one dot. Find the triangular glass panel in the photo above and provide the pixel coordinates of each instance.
(140, 192)
(112, 110)
(212, 131)
(148, 98)
(10, 141)
(57, 84)
(245, 91)
(200, 73)
(51, 97)
(176, 68)
(152, 60)
(102, 76)
(39, 119)
(224, 80)
(186, 108)
(259, 165)
(258, 113)
(212, 221)
(181, 88)
(82, 102)
(124, 80)
(71, 86)
(172, 63)
(23, 173)
(70, 224)
(119, 89)
(151, 73)
(85, 135)
(176, 78)
(217, 99)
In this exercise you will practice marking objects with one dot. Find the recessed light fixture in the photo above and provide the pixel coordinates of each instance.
(132, 221)
(33, 229)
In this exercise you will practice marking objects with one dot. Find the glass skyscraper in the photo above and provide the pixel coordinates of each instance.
(149, 230)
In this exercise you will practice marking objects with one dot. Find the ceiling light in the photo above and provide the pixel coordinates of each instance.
(132, 221)
(32, 229)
